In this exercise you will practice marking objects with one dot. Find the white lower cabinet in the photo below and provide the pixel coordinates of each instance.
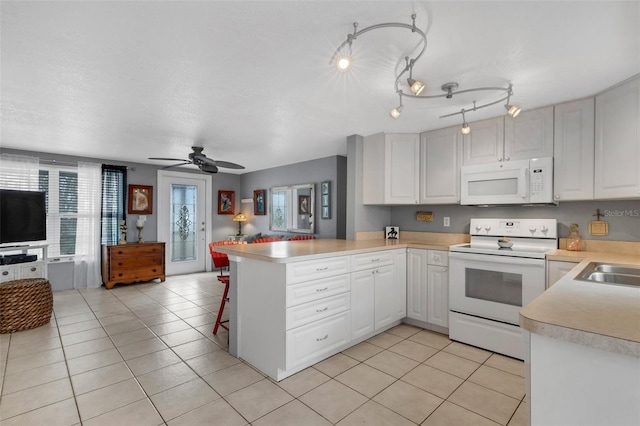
(438, 295)
(428, 287)
(378, 293)
(557, 269)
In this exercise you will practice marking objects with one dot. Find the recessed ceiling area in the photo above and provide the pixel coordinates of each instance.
(251, 81)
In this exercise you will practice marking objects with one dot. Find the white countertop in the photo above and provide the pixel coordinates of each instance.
(296, 251)
(599, 315)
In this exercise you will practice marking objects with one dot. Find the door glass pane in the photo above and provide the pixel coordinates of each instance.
(494, 286)
(184, 229)
(279, 210)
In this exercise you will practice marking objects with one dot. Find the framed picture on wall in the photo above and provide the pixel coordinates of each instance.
(140, 199)
(304, 204)
(259, 202)
(226, 202)
(325, 190)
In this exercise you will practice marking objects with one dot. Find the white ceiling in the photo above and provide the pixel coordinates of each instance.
(252, 83)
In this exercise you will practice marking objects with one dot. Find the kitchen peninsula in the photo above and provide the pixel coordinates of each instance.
(584, 350)
(295, 303)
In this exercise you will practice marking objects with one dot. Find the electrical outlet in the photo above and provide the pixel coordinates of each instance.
(447, 222)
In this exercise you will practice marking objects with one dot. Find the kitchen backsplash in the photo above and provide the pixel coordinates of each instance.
(623, 217)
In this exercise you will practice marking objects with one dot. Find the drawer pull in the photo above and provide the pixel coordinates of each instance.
(322, 269)
(322, 289)
(322, 310)
(323, 338)
(33, 269)
(377, 259)
(5, 273)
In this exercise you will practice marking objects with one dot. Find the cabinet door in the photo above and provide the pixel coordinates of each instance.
(373, 169)
(529, 135)
(573, 150)
(440, 166)
(400, 285)
(385, 279)
(485, 143)
(362, 302)
(617, 154)
(438, 295)
(417, 284)
(402, 168)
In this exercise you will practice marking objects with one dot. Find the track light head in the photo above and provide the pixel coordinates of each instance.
(343, 63)
(395, 113)
(513, 110)
(416, 86)
(465, 129)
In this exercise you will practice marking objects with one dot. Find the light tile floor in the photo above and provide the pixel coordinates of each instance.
(144, 354)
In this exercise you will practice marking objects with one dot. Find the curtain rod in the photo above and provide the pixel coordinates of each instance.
(63, 163)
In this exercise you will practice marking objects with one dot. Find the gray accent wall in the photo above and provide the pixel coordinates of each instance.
(332, 169)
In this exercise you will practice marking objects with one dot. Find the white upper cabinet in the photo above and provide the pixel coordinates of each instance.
(529, 135)
(617, 142)
(440, 166)
(391, 169)
(485, 143)
(573, 150)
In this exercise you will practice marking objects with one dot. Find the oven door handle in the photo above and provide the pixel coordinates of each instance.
(497, 259)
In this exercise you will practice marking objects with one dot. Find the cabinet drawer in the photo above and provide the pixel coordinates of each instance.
(136, 262)
(32, 270)
(134, 250)
(320, 309)
(363, 261)
(437, 257)
(317, 339)
(135, 274)
(8, 273)
(314, 269)
(318, 289)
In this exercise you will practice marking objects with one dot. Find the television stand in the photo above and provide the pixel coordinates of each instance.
(30, 269)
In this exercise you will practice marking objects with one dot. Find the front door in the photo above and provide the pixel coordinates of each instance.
(184, 204)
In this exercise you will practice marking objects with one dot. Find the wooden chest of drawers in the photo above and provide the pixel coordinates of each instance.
(130, 263)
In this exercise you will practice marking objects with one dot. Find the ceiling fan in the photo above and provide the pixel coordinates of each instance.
(197, 158)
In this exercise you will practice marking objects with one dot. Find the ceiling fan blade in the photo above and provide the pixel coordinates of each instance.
(170, 159)
(208, 168)
(228, 165)
(184, 163)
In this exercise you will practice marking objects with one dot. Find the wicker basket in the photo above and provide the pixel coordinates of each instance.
(25, 304)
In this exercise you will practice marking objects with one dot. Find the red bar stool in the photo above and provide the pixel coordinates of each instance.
(221, 261)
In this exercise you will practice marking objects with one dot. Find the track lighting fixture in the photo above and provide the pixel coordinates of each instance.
(417, 87)
(395, 113)
(465, 126)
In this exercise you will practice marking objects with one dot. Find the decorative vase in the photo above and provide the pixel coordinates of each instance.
(140, 234)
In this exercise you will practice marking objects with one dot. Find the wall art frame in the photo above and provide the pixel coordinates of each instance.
(226, 202)
(140, 199)
(260, 202)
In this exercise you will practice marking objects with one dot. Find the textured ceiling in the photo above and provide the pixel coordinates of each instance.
(251, 81)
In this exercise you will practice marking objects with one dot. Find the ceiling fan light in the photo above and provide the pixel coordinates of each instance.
(416, 86)
(465, 129)
(513, 110)
(395, 113)
(343, 63)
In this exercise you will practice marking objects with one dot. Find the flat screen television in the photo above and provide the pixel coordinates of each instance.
(23, 216)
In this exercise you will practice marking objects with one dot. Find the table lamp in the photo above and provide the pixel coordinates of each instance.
(240, 217)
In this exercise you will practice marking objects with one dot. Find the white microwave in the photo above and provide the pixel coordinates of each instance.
(509, 182)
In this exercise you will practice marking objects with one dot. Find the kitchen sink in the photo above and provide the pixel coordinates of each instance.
(611, 274)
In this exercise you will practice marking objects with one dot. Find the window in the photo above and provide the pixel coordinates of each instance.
(114, 184)
(292, 209)
(61, 187)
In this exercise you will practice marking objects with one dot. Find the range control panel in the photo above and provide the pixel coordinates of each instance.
(531, 228)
